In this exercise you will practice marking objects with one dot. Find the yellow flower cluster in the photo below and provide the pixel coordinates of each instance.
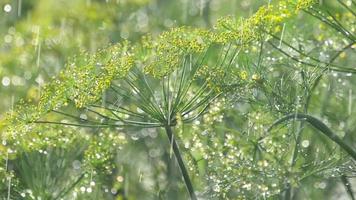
(302, 4)
(87, 76)
(166, 52)
(169, 48)
(266, 18)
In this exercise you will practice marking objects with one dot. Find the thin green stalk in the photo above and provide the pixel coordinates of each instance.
(346, 32)
(70, 188)
(316, 123)
(315, 13)
(181, 165)
(347, 7)
(348, 187)
(79, 125)
(130, 122)
(344, 70)
(289, 193)
(303, 54)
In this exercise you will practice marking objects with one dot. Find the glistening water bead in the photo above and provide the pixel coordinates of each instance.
(5, 81)
(305, 143)
(7, 8)
(76, 164)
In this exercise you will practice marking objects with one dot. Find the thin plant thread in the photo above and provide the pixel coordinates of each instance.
(9, 189)
(282, 35)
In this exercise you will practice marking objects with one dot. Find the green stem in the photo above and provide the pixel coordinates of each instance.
(348, 187)
(181, 165)
(70, 188)
(316, 123)
(288, 192)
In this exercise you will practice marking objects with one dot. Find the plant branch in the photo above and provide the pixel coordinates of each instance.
(348, 187)
(66, 191)
(181, 165)
(316, 123)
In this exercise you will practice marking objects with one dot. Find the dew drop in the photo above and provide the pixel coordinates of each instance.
(5, 81)
(120, 179)
(8, 38)
(92, 183)
(76, 164)
(305, 143)
(7, 8)
(134, 137)
(205, 132)
(349, 3)
(83, 116)
(322, 185)
(89, 190)
(113, 191)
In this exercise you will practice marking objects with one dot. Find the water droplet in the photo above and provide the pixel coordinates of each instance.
(83, 116)
(322, 185)
(89, 190)
(305, 143)
(216, 188)
(76, 164)
(5, 81)
(205, 132)
(92, 183)
(349, 3)
(8, 38)
(247, 186)
(139, 110)
(119, 179)
(7, 8)
(134, 137)
(113, 191)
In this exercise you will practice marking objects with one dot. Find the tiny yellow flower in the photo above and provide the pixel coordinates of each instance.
(322, 26)
(342, 55)
(255, 77)
(243, 75)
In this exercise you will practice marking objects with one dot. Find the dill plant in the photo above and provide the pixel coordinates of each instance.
(194, 83)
